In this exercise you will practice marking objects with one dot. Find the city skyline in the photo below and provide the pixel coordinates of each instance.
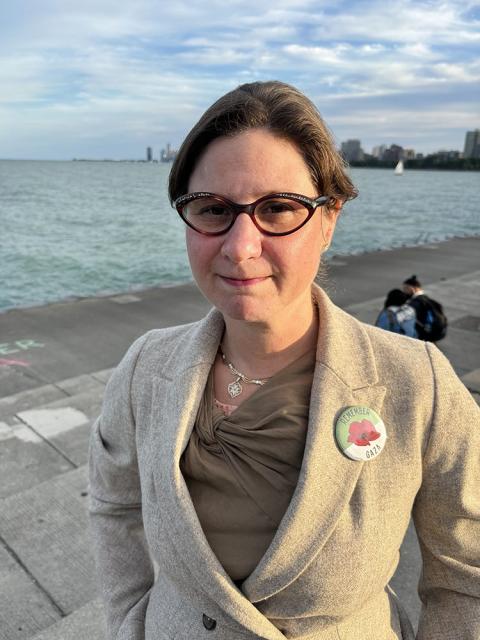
(352, 149)
(108, 79)
(167, 153)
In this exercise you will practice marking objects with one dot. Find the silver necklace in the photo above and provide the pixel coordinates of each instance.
(235, 388)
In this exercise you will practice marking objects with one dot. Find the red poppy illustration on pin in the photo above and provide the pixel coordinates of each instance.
(362, 433)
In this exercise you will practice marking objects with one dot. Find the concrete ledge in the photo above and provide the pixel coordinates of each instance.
(34, 398)
(86, 623)
(103, 375)
(25, 608)
(26, 459)
(46, 527)
(23, 400)
(472, 381)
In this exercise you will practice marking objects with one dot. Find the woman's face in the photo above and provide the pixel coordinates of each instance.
(245, 274)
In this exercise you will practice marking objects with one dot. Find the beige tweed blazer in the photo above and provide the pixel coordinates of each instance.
(325, 575)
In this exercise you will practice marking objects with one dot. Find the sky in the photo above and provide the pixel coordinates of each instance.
(107, 78)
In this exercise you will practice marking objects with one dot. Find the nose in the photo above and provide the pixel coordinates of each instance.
(243, 241)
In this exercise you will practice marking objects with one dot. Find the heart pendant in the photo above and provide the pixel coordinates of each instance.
(234, 389)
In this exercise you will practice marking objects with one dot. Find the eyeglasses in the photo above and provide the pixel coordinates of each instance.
(277, 214)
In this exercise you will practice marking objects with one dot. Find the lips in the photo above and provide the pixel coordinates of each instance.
(243, 282)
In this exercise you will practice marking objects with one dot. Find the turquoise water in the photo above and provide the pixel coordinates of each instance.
(73, 229)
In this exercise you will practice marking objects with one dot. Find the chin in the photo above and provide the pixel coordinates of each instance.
(242, 309)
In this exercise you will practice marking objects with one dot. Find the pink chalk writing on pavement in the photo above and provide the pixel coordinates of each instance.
(4, 362)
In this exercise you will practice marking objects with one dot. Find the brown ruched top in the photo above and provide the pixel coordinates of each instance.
(242, 469)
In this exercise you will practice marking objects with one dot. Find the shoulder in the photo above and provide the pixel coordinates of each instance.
(405, 312)
(157, 346)
(171, 351)
(416, 363)
(398, 355)
(418, 301)
(165, 338)
(154, 341)
(382, 319)
(162, 353)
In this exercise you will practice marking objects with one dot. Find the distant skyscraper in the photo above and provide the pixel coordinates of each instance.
(149, 154)
(168, 154)
(377, 152)
(447, 155)
(393, 154)
(352, 151)
(472, 144)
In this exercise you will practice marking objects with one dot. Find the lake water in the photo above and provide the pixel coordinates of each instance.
(72, 229)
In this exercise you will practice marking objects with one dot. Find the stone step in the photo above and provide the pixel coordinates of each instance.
(65, 424)
(32, 398)
(87, 623)
(46, 538)
(43, 442)
(472, 381)
(25, 608)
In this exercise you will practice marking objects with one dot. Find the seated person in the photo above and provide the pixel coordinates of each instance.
(431, 324)
(397, 315)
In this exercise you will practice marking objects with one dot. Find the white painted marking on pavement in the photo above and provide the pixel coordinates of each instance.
(5, 431)
(24, 433)
(52, 422)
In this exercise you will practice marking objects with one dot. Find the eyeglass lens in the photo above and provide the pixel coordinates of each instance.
(275, 215)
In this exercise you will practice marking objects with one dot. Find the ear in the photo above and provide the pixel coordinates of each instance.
(336, 206)
(329, 221)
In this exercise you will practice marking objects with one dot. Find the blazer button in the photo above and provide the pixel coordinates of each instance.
(209, 623)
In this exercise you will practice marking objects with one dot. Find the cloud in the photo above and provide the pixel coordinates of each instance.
(23, 78)
(406, 21)
(417, 50)
(320, 55)
(105, 70)
(459, 73)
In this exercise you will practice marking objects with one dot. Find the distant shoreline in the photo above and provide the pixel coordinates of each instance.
(462, 165)
(112, 160)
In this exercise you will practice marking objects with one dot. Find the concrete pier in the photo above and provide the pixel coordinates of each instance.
(54, 363)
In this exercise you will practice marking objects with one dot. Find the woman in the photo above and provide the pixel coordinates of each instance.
(397, 316)
(267, 458)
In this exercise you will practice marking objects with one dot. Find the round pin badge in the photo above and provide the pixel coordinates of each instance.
(360, 433)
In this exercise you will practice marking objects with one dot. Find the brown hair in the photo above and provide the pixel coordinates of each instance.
(283, 110)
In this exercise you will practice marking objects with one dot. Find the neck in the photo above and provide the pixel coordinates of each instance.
(260, 350)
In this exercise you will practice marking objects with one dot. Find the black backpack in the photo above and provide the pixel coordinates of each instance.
(434, 325)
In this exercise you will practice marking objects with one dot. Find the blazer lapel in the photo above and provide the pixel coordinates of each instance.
(345, 375)
(175, 402)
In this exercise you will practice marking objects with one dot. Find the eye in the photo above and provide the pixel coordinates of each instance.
(206, 208)
(275, 207)
(213, 210)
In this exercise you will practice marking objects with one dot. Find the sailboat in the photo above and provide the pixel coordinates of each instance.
(399, 168)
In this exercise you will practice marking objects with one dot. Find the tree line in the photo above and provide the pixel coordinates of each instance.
(428, 162)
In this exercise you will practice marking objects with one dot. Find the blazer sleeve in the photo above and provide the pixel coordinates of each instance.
(124, 567)
(447, 512)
